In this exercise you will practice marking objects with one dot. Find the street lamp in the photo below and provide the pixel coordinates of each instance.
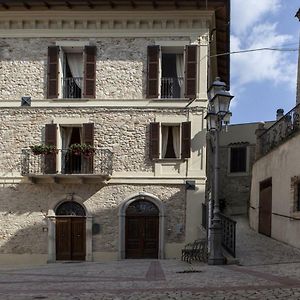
(218, 115)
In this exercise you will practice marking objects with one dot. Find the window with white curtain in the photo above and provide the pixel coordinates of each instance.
(170, 141)
(71, 59)
(172, 72)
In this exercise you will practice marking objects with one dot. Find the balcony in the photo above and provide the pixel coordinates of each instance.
(280, 132)
(67, 167)
(171, 87)
(72, 87)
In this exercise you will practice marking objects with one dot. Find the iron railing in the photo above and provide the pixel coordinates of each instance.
(97, 163)
(171, 87)
(228, 236)
(72, 87)
(281, 131)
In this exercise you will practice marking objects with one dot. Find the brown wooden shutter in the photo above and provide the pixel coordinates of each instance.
(153, 71)
(186, 140)
(190, 71)
(52, 84)
(90, 72)
(88, 138)
(51, 140)
(154, 140)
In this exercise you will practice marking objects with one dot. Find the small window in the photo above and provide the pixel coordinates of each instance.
(170, 141)
(238, 159)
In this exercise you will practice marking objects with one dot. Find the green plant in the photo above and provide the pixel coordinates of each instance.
(85, 149)
(43, 149)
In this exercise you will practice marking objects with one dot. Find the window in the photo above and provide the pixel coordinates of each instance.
(172, 72)
(71, 71)
(170, 141)
(238, 159)
(66, 161)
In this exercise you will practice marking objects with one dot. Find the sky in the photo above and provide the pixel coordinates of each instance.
(263, 81)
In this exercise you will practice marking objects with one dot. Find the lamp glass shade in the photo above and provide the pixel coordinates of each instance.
(221, 101)
(212, 120)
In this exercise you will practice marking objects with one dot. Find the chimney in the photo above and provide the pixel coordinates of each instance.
(279, 114)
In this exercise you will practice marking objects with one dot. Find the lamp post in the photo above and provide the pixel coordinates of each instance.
(218, 115)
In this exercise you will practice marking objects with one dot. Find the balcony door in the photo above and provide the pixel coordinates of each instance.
(142, 230)
(70, 231)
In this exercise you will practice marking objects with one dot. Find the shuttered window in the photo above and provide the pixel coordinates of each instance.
(153, 71)
(171, 146)
(51, 140)
(90, 72)
(52, 79)
(190, 71)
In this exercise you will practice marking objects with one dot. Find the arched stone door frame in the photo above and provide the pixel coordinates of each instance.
(122, 215)
(51, 220)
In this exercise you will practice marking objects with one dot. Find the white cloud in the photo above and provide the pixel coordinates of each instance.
(255, 32)
(246, 13)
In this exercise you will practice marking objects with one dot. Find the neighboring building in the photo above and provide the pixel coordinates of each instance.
(237, 155)
(237, 152)
(119, 88)
(275, 189)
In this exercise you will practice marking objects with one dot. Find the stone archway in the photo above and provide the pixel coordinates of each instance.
(122, 221)
(57, 213)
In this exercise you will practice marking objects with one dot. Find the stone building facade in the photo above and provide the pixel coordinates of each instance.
(127, 84)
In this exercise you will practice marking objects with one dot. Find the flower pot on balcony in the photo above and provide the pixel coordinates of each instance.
(43, 149)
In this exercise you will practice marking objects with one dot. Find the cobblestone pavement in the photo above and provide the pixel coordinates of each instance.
(269, 270)
(150, 279)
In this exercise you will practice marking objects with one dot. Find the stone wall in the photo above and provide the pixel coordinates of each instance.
(120, 72)
(23, 210)
(124, 131)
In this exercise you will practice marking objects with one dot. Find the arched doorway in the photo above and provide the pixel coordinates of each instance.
(141, 230)
(70, 231)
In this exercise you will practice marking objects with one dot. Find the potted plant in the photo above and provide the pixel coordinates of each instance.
(84, 149)
(43, 149)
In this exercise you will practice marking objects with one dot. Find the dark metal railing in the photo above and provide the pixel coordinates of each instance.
(228, 236)
(72, 87)
(171, 87)
(97, 163)
(281, 131)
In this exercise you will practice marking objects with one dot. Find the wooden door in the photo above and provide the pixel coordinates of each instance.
(70, 238)
(265, 210)
(141, 236)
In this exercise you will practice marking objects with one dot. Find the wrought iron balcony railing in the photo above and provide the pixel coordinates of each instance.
(281, 131)
(171, 87)
(72, 87)
(66, 162)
